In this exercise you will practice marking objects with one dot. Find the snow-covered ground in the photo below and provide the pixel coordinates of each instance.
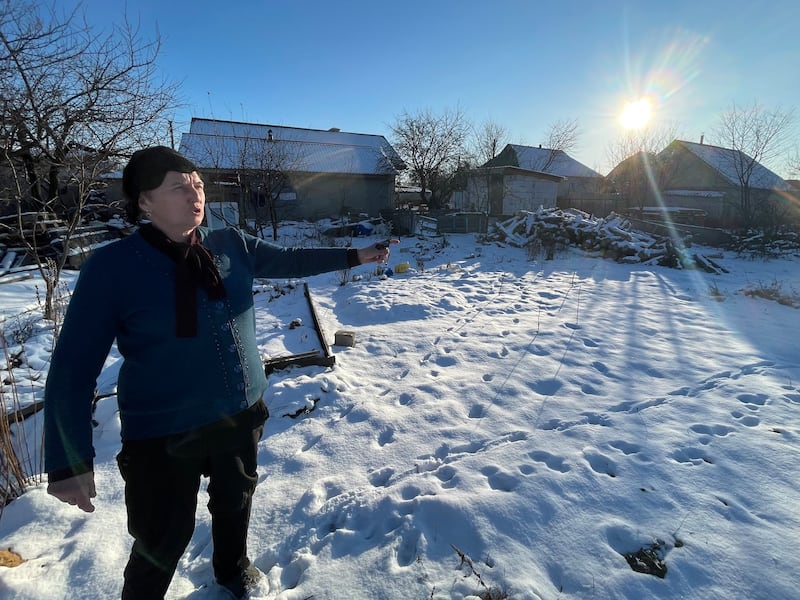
(542, 418)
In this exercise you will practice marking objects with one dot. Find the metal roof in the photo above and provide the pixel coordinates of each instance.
(562, 164)
(724, 161)
(232, 145)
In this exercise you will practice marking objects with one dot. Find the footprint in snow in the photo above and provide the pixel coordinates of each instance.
(753, 401)
(600, 463)
(386, 436)
(746, 420)
(446, 473)
(405, 399)
(601, 367)
(500, 480)
(381, 477)
(626, 448)
(553, 462)
(408, 546)
(546, 387)
(717, 430)
(446, 361)
(590, 390)
(692, 456)
(477, 412)
(635, 406)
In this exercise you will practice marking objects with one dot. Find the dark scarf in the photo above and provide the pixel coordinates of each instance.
(194, 267)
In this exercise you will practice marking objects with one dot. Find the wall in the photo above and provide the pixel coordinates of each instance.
(320, 196)
(506, 193)
(334, 195)
(599, 205)
(523, 192)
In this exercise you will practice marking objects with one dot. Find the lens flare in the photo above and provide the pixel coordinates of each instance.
(636, 114)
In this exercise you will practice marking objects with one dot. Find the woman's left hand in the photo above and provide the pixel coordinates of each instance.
(378, 252)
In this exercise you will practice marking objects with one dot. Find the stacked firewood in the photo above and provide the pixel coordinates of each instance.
(610, 236)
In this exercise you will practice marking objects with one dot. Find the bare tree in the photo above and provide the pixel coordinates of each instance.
(488, 140)
(74, 104)
(562, 136)
(433, 146)
(756, 136)
(638, 173)
(265, 176)
(793, 163)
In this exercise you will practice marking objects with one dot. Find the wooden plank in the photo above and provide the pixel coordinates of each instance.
(305, 359)
(20, 415)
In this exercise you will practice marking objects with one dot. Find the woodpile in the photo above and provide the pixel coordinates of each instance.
(47, 233)
(610, 237)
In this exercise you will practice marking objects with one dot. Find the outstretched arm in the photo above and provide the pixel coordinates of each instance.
(77, 490)
(378, 252)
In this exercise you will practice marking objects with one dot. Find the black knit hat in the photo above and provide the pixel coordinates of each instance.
(146, 170)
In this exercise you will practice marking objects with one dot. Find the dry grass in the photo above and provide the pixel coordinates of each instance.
(9, 558)
(774, 291)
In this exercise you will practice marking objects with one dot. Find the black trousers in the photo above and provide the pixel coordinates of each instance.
(162, 479)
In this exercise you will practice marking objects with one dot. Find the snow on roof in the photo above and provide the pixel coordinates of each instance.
(724, 161)
(520, 171)
(536, 159)
(378, 144)
(231, 153)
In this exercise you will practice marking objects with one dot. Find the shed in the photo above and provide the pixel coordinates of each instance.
(577, 180)
(505, 190)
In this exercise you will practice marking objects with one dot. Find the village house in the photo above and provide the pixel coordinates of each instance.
(525, 178)
(711, 178)
(309, 173)
(506, 190)
(703, 184)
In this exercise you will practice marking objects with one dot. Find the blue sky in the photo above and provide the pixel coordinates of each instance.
(358, 64)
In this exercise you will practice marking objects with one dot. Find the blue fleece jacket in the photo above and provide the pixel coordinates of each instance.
(166, 385)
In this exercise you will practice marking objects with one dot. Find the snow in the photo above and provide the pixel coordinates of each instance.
(543, 418)
(229, 145)
(725, 161)
(535, 159)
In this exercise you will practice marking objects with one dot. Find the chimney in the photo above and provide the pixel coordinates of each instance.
(702, 135)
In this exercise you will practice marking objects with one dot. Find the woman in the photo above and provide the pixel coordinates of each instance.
(178, 299)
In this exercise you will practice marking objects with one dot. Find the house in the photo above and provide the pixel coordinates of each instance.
(527, 174)
(506, 190)
(309, 173)
(636, 179)
(577, 179)
(714, 179)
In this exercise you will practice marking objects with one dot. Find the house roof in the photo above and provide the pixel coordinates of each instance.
(724, 161)
(562, 164)
(230, 145)
(518, 171)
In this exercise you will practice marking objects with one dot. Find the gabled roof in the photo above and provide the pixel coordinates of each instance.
(517, 171)
(230, 145)
(537, 159)
(724, 161)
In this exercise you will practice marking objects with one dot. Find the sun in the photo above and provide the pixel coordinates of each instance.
(636, 114)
